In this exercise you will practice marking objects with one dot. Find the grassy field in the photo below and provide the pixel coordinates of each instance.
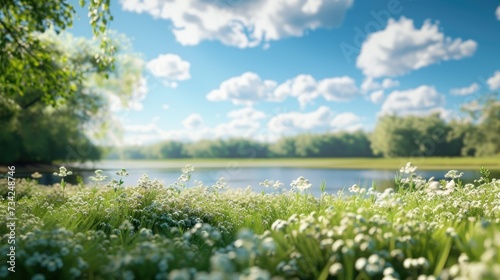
(434, 163)
(421, 230)
(461, 163)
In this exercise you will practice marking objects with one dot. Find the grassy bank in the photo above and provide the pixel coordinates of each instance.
(433, 163)
(422, 230)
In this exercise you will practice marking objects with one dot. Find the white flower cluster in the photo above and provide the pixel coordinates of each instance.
(270, 183)
(63, 172)
(301, 184)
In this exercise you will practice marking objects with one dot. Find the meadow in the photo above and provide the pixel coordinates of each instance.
(422, 229)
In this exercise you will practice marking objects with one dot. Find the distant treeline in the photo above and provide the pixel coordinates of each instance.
(393, 136)
(306, 145)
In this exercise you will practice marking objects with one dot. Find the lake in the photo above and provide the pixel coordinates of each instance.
(241, 177)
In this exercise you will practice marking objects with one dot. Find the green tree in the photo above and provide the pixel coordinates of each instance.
(36, 131)
(415, 136)
(167, 149)
(30, 67)
(306, 145)
(481, 133)
(284, 147)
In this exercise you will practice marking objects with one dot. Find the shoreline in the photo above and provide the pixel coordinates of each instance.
(434, 163)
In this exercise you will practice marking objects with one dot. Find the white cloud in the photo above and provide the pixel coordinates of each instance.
(165, 106)
(389, 83)
(193, 121)
(494, 81)
(498, 12)
(170, 68)
(237, 128)
(322, 119)
(303, 87)
(346, 122)
(338, 88)
(377, 96)
(418, 101)
(248, 113)
(249, 89)
(246, 122)
(465, 90)
(244, 90)
(401, 48)
(293, 121)
(242, 23)
(369, 84)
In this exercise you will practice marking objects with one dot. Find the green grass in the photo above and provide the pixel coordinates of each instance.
(430, 163)
(422, 229)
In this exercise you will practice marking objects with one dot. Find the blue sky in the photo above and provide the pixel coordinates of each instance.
(265, 69)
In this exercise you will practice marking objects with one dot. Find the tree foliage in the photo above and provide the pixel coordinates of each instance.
(305, 145)
(481, 133)
(30, 67)
(414, 136)
(36, 131)
(54, 88)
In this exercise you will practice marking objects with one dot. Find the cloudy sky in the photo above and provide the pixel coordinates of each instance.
(265, 69)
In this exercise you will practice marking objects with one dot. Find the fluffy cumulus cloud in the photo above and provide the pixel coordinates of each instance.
(293, 121)
(465, 90)
(193, 121)
(418, 101)
(302, 87)
(321, 119)
(494, 81)
(401, 48)
(170, 68)
(249, 89)
(242, 23)
(246, 89)
(338, 88)
(305, 88)
(370, 84)
(244, 122)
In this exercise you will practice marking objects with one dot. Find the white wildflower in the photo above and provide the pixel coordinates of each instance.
(277, 184)
(301, 183)
(408, 168)
(188, 168)
(63, 172)
(453, 174)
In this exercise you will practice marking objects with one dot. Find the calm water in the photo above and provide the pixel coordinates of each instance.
(336, 179)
